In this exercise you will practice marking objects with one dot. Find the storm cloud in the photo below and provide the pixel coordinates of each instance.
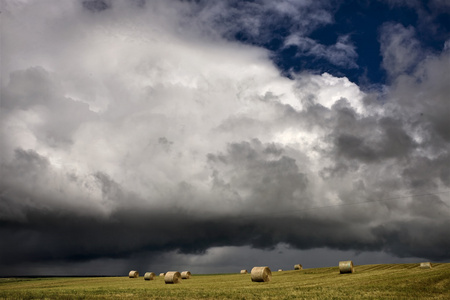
(130, 130)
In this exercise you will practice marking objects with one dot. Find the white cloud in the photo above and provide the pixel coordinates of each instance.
(327, 89)
(341, 54)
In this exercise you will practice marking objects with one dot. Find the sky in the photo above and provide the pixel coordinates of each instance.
(214, 136)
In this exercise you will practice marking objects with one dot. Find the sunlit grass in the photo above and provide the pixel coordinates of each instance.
(402, 281)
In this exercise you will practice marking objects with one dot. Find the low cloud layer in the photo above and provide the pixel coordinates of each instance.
(127, 131)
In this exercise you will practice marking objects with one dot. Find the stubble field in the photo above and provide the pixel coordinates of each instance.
(387, 281)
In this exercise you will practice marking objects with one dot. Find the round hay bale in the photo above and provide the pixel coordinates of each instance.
(298, 267)
(346, 267)
(280, 270)
(149, 276)
(261, 274)
(162, 274)
(172, 277)
(133, 274)
(244, 272)
(425, 265)
(185, 275)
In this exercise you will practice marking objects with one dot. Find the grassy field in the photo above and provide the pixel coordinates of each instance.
(399, 281)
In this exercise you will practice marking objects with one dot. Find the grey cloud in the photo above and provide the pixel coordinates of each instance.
(424, 172)
(430, 207)
(399, 48)
(165, 143)
(260, 175)
(391, 141)
(422, 98)
(37, 91)
(96, 5)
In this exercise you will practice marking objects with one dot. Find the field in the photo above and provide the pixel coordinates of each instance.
(393, 281)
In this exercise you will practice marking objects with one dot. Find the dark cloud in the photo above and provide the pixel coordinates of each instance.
(414, 239)
(58, 235)
(96, 5)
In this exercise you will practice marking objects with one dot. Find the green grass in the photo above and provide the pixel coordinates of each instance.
(399, 281)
